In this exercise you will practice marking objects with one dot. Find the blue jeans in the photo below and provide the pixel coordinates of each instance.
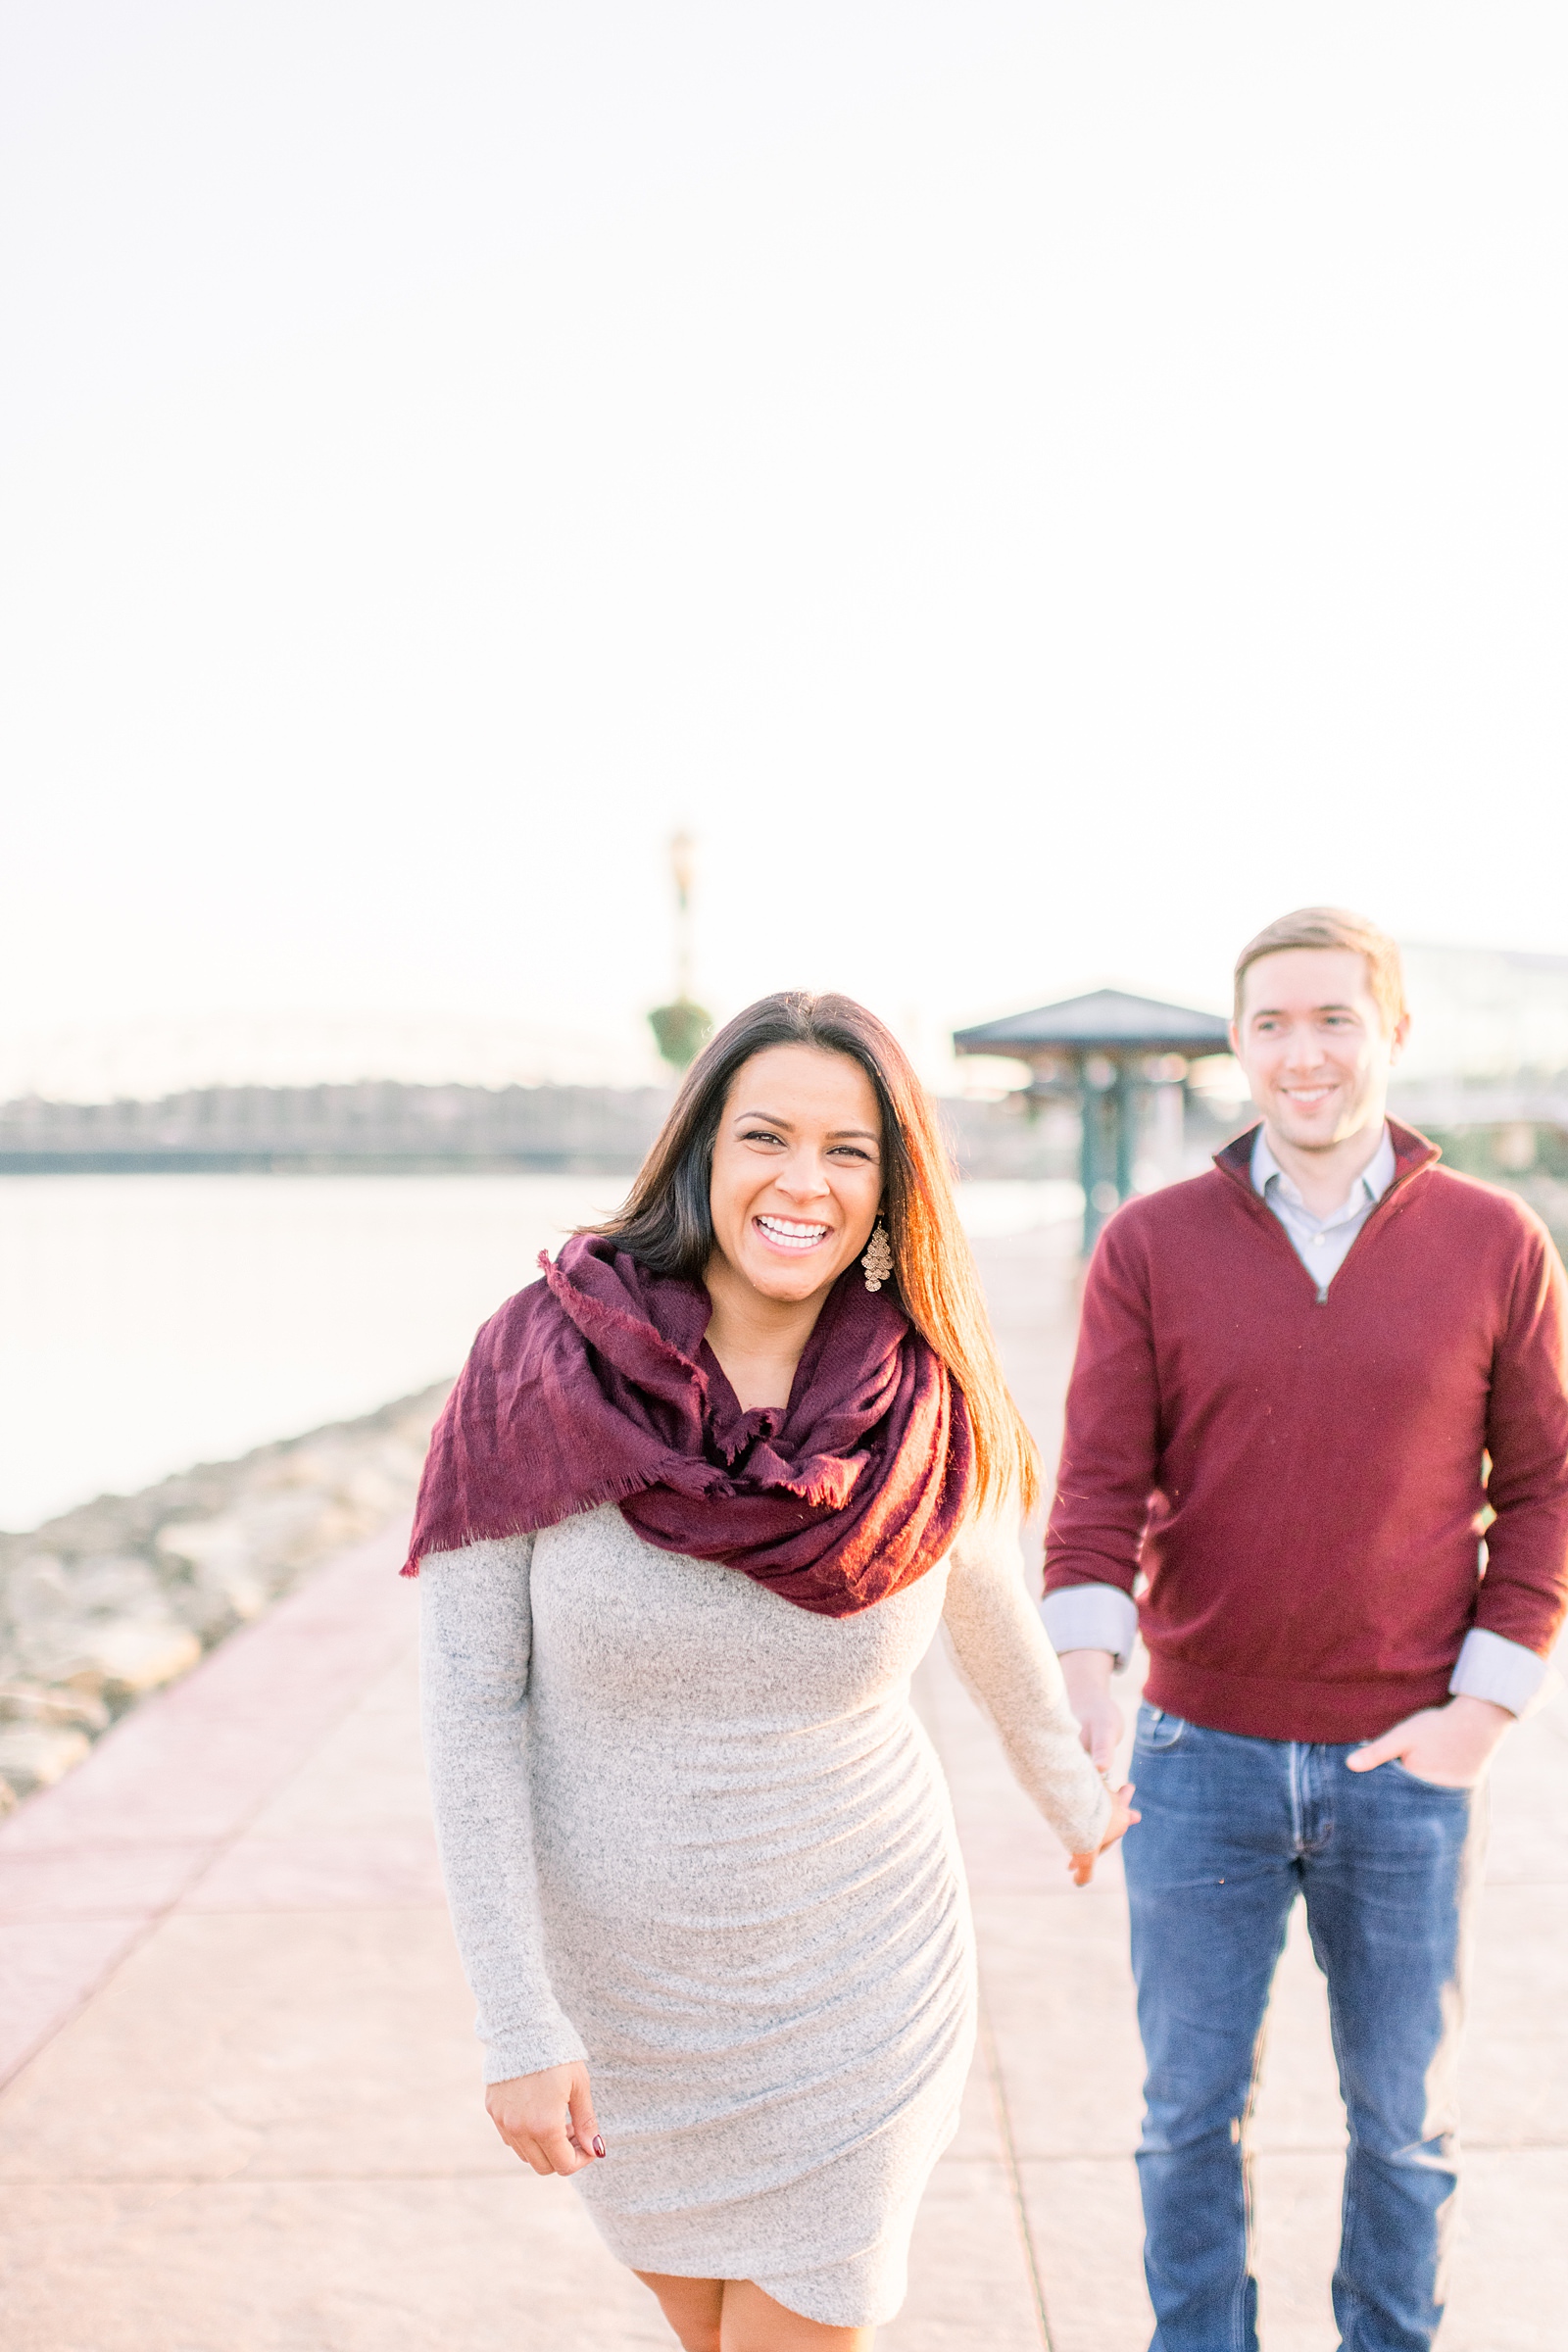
(1233, 1831)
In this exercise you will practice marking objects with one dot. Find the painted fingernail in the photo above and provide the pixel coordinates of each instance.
(598, 2145)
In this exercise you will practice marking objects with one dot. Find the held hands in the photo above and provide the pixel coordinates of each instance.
(548, 2119)
(1122, 1816)
(1451, 1745)
(1087, 1674)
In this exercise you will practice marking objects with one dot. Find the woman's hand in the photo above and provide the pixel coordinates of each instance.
(1121, 1821)
(548, 2119)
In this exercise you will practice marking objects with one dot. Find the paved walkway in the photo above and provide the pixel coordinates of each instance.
(241, 2113)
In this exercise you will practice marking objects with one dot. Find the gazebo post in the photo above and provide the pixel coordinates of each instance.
(1088, 1150)
(1098, 1112)
(1129, 1102)
(1108, 1100)
(1094, 1048)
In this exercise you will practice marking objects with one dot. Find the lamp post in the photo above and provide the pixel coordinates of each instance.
(683, 1028)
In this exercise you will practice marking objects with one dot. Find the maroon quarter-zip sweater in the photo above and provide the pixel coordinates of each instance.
(1305, 1486)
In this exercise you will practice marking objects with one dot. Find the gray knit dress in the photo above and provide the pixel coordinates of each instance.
(697, 1836)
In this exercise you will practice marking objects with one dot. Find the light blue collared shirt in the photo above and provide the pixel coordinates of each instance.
(1322, 1244)
(1105, 1617)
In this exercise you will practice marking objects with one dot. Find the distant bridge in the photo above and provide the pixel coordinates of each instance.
(375, 1126)
(381, 1127)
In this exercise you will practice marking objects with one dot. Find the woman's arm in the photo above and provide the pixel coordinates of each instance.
(476, 1640)
(1011, 1668)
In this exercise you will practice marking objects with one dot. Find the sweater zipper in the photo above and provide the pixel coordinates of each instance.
(1257, 1203)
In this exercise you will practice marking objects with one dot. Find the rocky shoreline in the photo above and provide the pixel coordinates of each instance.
(121, 1595)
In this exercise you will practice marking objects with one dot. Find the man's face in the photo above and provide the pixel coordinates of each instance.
(1314, 1045)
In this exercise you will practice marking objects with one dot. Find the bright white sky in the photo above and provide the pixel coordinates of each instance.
(1037, 488)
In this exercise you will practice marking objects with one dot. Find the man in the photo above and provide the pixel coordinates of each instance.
(1306, 1382)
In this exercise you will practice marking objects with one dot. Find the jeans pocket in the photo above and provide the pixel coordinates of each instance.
(1402, 1772)
(1158, 1731)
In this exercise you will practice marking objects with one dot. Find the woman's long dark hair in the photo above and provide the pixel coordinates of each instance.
(666, 1221)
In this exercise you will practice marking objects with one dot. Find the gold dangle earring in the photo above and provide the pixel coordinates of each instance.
(878, 1259)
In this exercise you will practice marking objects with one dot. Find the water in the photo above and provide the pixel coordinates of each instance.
(149, 1322)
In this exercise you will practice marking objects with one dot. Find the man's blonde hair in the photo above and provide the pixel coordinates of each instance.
(1333, 927)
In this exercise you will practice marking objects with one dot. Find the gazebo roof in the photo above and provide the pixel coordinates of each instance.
(1106, 1022)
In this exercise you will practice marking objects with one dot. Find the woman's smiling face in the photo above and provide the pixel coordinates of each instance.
(797, 1174)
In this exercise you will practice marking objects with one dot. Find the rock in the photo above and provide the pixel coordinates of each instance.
(223, 1558)
(131, 1658)
(37, 1591)
(113, 1585)
(34, 1756)
(52, 1652)
(30, 1702)
(115, 1599)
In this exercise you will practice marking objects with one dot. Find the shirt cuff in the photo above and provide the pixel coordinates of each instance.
(1092, 1617)
(1504, 1672)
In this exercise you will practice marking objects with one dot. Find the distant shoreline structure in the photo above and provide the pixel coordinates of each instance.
(1509, 1128)
(377, 1127)
(383, 1127)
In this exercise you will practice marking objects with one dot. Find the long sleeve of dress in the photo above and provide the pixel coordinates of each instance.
(1002, 1654)
(476, 1643)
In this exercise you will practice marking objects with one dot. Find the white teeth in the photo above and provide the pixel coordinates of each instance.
(791, 1236)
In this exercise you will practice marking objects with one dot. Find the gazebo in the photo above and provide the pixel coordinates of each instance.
(1109, 1052)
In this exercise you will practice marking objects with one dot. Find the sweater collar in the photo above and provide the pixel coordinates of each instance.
(1412, 1151)
(1370, 1186)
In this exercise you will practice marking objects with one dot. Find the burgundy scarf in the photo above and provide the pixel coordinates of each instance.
(596, 1384)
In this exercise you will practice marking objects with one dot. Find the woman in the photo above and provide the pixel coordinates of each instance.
(691, 1518)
